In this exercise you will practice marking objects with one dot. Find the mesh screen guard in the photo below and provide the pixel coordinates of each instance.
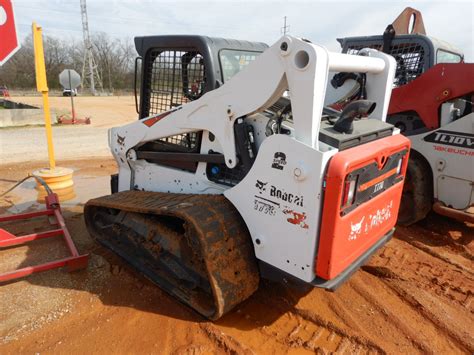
(175, 77)
(410, 59)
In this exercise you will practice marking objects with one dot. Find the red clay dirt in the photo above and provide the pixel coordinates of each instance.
(414, 296)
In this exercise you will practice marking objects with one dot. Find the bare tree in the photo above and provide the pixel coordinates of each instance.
(115, 62)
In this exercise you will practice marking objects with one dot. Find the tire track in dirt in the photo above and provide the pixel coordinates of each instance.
(340, 325)
(341, 340)
(422, 304)
(441, 246)
(297, 332)
(224, 341)
(430, 285)
(295, 328)
(399, 261)
(300, 329)
(383, 302)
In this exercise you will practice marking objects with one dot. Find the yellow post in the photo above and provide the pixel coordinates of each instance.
(42, 86)
(58, 179)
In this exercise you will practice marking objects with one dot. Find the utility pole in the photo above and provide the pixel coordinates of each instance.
(89, 67)
(285, 29)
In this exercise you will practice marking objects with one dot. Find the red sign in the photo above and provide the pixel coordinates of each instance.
(8, 37)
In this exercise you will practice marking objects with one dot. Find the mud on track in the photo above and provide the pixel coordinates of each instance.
(414, 296)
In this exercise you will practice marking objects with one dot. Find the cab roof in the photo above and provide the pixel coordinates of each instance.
(213, 44)
(434, 42)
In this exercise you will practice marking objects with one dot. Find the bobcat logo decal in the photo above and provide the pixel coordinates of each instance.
(260, 185)
(356, 229)
(120, 140)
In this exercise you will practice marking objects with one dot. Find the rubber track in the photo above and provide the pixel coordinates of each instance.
(224, 241)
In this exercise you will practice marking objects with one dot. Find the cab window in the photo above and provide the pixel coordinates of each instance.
(233, 61)
(443, 56)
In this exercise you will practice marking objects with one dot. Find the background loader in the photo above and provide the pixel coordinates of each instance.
(431, 103)
(236, 170)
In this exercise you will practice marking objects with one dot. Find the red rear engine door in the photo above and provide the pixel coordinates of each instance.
(374, 172)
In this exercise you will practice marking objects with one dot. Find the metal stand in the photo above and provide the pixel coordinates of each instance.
(74, 120)
(74, 262)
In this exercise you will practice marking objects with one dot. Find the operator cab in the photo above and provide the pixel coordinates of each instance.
(180, 68)
(414, 53)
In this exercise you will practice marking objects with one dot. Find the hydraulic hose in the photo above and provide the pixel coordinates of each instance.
(40, 180)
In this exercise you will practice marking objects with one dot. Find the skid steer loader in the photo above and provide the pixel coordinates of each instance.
(235, 170)
(432, 105)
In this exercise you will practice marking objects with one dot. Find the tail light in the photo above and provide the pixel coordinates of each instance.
(399, 165)
(349, 191)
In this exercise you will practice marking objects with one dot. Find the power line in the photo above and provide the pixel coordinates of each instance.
(285, 29)
(54, 30)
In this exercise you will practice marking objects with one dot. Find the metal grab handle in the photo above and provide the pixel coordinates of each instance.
(135, 84)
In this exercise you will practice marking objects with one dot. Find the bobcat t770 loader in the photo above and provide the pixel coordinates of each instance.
(235, 167)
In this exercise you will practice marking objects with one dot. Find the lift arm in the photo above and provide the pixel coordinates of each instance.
(290, 64)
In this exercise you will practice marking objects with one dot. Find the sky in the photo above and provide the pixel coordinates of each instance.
(319, 21)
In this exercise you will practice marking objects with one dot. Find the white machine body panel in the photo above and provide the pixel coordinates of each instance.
(280, 200)
(450, 153)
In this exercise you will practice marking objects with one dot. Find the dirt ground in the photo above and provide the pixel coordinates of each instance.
(70, 141)
(414, 296)
(104, 111)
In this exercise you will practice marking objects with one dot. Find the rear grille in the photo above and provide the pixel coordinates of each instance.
(368, 176)
(410, 59)
(279, 105)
